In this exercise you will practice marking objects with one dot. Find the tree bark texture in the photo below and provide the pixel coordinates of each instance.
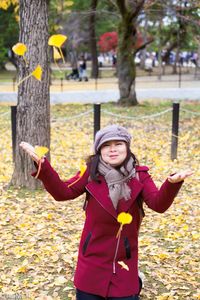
(93, 43)
(33, 107)
(129, 10)
(126, 69)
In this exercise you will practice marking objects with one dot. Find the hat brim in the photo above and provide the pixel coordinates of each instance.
(115, 138)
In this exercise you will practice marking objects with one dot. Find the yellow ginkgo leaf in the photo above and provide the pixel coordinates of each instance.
(57, 40)
(123, 265)
(22, 269)
(82, 170)
(124, 218)
(37, 73)
(56, 54)
(40, 151)
(19, 49)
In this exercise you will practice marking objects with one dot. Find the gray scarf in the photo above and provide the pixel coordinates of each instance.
(117, 180)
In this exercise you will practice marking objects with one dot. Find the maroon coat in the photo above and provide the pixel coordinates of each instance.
(98, 271)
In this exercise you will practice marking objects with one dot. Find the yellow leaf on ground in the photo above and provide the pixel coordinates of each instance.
(22, 269)
(60, 280)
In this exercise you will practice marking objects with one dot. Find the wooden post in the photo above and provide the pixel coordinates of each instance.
(175, 126)
(97, 117)
(13, 128)
(61, 84)
(14, 80)
(96, 83)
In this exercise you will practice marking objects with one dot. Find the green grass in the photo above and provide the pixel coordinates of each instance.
(7, 76)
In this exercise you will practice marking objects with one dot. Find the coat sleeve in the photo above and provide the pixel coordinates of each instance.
(161, 199)
(59, 189)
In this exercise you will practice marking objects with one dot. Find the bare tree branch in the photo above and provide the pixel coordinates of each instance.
(143, 45)
(138, 7)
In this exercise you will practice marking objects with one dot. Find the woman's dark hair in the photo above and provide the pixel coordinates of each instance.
(93, 161)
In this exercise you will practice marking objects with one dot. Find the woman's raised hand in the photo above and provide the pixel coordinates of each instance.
(29, 149)
(180, 176)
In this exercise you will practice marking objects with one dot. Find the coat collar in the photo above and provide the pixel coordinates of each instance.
(101, 193)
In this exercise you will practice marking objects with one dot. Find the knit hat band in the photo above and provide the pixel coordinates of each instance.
(111, 133)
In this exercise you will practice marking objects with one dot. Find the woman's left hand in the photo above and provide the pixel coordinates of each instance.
(180, 176)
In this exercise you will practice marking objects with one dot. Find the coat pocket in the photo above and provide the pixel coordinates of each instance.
(127, 248)
(85, 245)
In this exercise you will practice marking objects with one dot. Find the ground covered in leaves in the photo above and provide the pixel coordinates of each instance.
(40, 237)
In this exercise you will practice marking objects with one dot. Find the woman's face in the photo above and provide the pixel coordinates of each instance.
(114, 152)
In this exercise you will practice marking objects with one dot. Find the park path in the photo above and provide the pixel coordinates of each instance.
(171, 87)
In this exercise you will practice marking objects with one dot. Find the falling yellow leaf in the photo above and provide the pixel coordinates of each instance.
(19, 49)
(123, 265)
(56, 54)
(124, 218)
(82, 171)
(40, 151)
(37, 73)
(57, 40)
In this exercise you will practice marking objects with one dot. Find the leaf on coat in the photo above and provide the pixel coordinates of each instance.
(124, 218)
(123, 265)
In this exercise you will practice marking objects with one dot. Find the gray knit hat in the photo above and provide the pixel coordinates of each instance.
(111, 133)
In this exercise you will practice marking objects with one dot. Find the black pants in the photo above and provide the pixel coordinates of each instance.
(85, 296)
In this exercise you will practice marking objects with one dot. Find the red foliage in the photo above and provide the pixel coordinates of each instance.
(108, 41)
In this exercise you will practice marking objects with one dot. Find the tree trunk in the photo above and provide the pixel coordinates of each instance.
(126, 70)
(33, 108)
(144, 51)
(93, 43)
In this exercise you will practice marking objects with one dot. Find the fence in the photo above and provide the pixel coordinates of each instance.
(61, 84)
(97, 110)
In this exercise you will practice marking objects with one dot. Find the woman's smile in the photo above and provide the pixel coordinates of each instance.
(114, 152)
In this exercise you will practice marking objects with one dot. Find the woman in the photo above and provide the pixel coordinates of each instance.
(114, 185)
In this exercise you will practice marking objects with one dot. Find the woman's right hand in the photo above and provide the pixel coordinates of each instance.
(29, 149)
